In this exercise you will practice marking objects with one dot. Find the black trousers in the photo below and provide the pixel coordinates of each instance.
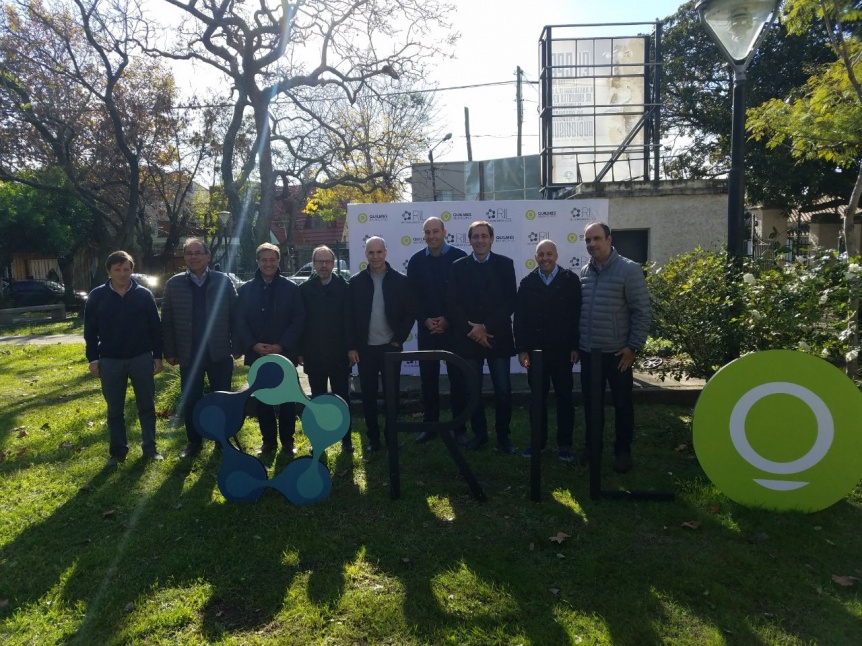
(621, 384)
(371, 364)
(336, 378)
(557, 370)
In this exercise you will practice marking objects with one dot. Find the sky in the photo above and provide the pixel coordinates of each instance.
(496, 37)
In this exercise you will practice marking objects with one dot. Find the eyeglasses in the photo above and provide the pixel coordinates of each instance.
(194, 254)
(324, 262)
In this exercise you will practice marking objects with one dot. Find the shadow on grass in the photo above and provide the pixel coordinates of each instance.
(466, 572)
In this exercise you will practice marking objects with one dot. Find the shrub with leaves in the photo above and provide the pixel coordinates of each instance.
(766, 306)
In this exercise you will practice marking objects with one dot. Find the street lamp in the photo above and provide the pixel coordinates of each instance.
(431, 161)
(224, 219)
(737, 27)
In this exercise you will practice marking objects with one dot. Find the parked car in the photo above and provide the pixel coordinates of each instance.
(304, 272)
(23, 293)
(153, 283)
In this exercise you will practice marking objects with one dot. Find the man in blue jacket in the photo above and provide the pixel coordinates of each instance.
(123, 339)
(427, 275)
(615, 319)
(379, 305)
(197, 330)
(269, 317)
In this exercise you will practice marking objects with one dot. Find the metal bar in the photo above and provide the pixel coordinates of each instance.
(537, 409)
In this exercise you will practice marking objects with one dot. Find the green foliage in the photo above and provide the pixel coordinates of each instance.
(764, 306)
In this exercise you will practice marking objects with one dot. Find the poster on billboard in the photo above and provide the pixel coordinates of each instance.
(518, 227)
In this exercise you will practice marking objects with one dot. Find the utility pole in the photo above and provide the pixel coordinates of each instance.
(520, 106)
(467, 133)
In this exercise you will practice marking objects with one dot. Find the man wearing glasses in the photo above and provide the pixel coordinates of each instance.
(197, 314)
(323, 346)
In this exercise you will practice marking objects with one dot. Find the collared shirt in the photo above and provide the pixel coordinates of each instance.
(114, 289)
(443, 249)
(550, 277)
(481, 262)
(199, 281)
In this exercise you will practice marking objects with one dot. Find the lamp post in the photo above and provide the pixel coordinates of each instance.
(224, 219)
(431, 161)
(737, 27)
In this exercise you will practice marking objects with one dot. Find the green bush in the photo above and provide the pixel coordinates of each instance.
(711, 312)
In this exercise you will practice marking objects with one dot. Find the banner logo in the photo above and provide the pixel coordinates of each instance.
(411, 216)
(406, 240)
(531, 214)
(445, 216)
(362, 218)
(779, 429)
(572, 237)
(537, 236)
(581, 213)
(530, 264)
(497, 215)
(575, 262)
(363, 266)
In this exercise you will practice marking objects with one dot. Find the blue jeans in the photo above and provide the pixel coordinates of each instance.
(219, 374)
(500, 379)
(115, 376)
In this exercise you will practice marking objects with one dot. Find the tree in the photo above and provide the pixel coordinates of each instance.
(823, 118)
(696, 109)
(288, 65)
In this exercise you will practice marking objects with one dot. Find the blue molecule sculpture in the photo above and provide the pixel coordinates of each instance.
(241, 477)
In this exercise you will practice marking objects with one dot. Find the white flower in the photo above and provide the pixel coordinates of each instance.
(824, 298)
(851, 356)
(804, 346)
(854, 268)
(748, 279)
(756, 315)
(824, 353)
(845, 334)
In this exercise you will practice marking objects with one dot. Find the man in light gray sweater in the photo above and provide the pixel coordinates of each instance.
(615, 318)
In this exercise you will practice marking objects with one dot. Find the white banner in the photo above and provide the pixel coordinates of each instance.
(518, 227)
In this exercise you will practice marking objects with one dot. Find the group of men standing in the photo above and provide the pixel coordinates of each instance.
(464, 303)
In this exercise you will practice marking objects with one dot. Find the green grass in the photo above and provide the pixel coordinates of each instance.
(74, 324)
(150, 553)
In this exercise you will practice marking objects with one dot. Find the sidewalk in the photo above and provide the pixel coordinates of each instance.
(648, 388)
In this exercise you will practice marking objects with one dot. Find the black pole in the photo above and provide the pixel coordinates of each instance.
(736, 177)
(433, 176)
(597, 399)
(537, 409)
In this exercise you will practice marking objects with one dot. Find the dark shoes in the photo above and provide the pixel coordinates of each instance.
(623, 463)
(373, 446)
(114, 461)
(462, 439)
(155, 456)
(190, 451)
(426, 436)
(476, 443)
(528, 452)
(505, 446)
(266, 449)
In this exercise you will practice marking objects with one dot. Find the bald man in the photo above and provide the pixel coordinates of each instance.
(547, 314)
(427, 276)
(381, 322)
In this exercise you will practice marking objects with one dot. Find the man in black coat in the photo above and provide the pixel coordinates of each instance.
(480, 302)
(323, 347)
(269, 320)
(547, 317)
(382, 320)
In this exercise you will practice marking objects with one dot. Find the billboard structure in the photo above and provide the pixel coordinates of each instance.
(600, 118)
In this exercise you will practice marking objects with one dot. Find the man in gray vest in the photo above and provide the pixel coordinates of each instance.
(615, 318)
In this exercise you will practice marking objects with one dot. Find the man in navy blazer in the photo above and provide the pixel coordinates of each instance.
(480, 303)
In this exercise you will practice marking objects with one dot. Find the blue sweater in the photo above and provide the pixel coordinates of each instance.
(121, 327)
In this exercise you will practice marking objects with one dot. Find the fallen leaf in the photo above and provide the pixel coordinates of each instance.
(78, 449)
(406, 560)
(559, 538)
(829, 542)
(692, 524)
(715, 509)
(18, 428)
(46, 426)
(66, 445)
(91, 424)
(554, 590)
(681, 448)
(844, 580)
(219, 613)
(107, 513)
(21, 433)
(22, 452)
(84, 489)
(129, 606)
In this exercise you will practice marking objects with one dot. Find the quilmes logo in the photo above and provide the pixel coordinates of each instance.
(780, 429)
(497, 215)
(580, 213)
(362, 218)
(406, 240)
(411, 216)
(445, 216)
(504, 238)
(546, 214)
(363, 266)
(530, 215)
(530, 264)
(537, 236)
(378, 217)
(572, 238)
(457, 215)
